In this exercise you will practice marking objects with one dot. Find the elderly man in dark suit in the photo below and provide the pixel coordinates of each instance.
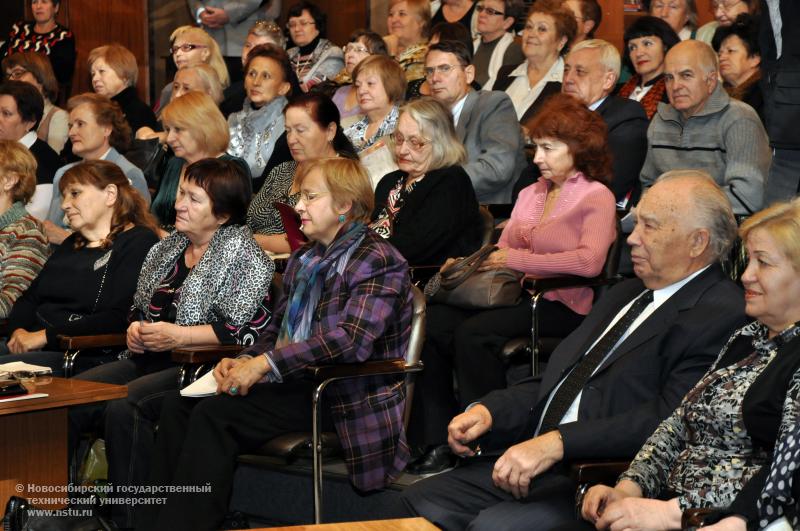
(485, 122)
(609, 384)
(591, 71)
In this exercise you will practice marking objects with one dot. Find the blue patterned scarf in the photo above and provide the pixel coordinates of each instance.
(315, 267)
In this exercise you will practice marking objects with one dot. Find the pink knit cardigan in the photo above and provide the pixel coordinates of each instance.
(573, 240)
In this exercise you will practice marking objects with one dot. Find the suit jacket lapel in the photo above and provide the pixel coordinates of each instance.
(466, 115)
(665, 315)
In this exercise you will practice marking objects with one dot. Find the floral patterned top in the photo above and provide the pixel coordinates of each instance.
(357, 133)
(703, 452)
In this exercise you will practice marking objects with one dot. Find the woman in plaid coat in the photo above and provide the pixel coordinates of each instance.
(348, 300)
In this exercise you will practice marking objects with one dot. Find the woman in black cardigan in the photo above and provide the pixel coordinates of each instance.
(427, 209)
(87, 285)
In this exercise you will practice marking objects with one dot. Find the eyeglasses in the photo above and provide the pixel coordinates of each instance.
(355, 47)
(308, 197)
(16, 73)
(488, 10)
(442, 69)
(725, 6)
(672, 6)
(414, 142)
(299, 24)
(185, 48)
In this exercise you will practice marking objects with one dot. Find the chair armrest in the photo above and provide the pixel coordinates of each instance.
(598, 472)
(205, 353)
(98, 341)
(541, 285)
(367, 368)
(695, 517)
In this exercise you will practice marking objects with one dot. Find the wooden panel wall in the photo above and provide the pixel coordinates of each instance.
(97, 23)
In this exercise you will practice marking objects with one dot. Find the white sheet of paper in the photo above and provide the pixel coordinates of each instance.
(24, 397)
(22, 366)
(204, 386)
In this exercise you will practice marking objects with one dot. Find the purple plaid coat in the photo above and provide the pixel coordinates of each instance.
(364, 314)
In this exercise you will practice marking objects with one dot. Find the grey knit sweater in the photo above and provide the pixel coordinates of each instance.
(725, 139)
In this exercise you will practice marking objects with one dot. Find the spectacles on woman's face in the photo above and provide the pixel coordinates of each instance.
(185, 48)
(16, 73)
(356, 47)
(415, 143)
(299, 23)
(480, 8)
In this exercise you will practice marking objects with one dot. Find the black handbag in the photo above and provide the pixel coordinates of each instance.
(462, 285)
(150, 156)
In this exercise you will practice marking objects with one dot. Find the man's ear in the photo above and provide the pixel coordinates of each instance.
(699, 242)
(469, 71)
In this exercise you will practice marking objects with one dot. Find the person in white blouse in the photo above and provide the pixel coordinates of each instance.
(548, 31)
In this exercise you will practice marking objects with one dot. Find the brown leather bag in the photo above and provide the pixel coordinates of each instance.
(462, 285)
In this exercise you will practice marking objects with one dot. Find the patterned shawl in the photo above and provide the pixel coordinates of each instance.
(315, 268)
(227, 284)
(650, 100)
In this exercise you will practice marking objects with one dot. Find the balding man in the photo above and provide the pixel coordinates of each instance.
(704, 128)
(591, 71)
(609, 384)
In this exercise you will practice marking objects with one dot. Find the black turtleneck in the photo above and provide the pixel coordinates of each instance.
(308, 48)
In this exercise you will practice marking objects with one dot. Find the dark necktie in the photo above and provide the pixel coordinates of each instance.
(583, 370)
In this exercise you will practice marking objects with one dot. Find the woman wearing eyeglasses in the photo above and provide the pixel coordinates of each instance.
(681, 15)
(427, 209)
(190, 46)
(46, 36)
(496, 47)
(114, 72)
(725, 13)
(362, 44)
(545, 39)
(313, 57)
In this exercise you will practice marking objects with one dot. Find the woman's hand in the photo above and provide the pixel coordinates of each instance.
(134, 338)
(640, 513)
(161, 336)
(22, 341)
(236, 376)
(55, 234)
(596, 500)
(496, 260)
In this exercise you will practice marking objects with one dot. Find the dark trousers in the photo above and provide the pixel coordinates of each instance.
(468, 343)
(466, 498)
(197, 444)
(783, 182)
(128, 423)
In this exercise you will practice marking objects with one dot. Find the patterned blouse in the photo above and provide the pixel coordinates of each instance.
(262, 217)
(383, 223)
(357, 133)
(703, 453)
(166, 297)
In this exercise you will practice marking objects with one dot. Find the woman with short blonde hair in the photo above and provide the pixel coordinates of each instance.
(114, 73)
(195, 130)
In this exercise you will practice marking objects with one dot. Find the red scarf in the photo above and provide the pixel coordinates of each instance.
(651, 99)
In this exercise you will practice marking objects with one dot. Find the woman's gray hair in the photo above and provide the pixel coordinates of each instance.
(435, 123)
(712, 209)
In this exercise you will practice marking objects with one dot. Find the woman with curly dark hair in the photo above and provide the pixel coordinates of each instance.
(561, 225)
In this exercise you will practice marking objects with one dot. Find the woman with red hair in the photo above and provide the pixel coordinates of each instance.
(563, 224)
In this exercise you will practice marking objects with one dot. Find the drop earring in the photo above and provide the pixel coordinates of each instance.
(341, 218)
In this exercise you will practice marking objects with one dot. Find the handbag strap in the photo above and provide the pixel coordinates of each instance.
(458, 272)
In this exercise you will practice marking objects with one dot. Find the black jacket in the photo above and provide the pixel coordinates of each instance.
(504, 80)
(627, 140)
(439, 219)
(47, 162)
